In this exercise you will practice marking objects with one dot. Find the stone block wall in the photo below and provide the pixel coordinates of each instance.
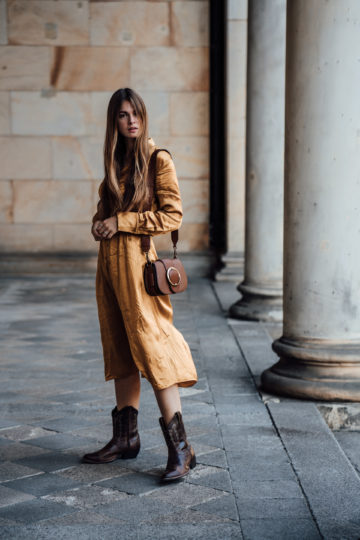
(60, 61)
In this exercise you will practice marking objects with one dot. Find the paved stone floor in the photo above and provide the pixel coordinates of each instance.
(268, 467)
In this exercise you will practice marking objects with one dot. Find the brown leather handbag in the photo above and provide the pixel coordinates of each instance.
(163, 276)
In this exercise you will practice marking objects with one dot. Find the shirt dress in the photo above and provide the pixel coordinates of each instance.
(137, 330)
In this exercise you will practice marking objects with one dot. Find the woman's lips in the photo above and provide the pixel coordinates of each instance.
(132, 129)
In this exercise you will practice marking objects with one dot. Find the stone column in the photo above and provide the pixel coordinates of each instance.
(236, 46)
(320, 347)
(262, 286)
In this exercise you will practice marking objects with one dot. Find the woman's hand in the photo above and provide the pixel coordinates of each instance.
(107, 228)
(94, 231)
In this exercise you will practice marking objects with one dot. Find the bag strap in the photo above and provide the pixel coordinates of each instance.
(145, 238)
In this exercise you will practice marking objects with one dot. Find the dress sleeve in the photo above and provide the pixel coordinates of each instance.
(168, 217)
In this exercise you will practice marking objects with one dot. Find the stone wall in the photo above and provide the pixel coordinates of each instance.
(60, 62)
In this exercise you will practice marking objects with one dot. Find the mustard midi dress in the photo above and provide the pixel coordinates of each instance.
(137, 331)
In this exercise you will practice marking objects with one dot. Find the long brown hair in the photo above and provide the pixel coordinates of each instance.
(136, 191)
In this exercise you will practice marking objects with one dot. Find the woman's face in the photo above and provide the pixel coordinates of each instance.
(129, 123)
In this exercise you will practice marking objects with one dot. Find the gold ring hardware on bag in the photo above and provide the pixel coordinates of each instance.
(168, 275)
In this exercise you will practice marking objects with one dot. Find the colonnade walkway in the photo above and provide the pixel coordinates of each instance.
(268, 467)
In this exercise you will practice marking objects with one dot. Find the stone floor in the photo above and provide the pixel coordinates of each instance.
(268, 467)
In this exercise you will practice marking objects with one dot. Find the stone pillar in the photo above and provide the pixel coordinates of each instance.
(262, 286)
(320, 347)
(236, 46)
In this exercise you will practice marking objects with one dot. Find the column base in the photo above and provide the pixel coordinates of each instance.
(258, 304)
(314, 369)
(233, 269)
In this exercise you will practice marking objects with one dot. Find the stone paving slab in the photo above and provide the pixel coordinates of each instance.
(41, 484)
(323, 476)
(33, 511)
(284, 528)
(252, 480)
(20, 450)
(11, 471)
(85, 497)
(49, 462)
(10, 496)
(350, 443)
(201, 530)
(330, 482)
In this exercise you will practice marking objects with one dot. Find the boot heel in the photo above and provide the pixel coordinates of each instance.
(129, 454)
(193, 462)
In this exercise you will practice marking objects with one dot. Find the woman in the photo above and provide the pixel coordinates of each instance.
(137, 333)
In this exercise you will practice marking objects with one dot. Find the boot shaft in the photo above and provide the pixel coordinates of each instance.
(181, 456)
(125, 422)
(125, 442)
(174, 432)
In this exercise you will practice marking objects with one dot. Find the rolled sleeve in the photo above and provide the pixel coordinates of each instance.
(128, 222)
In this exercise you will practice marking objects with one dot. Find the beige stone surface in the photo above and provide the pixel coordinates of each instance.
(25, 158)
(64, 113)
(190, 154)
(190, 23)
(236, 161)
(158, 108)
(235, 196)
(170, 68)
(236, 78)
(24, 68)
(52, 202)
(195, 200)
(237, 41)
(4, 113)
(90, 68)
(53, 22)
(61, 61)
(192, 236)
(3, 25)
(236, 63)
(189, 113)
(6, 199)
(237, 9)
(27, 238)
(77, 158)
(119, 23)
(95, 196)
(73, 237)
(99, 104)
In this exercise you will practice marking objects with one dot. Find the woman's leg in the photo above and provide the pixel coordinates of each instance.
(181, 455)
(127, 391)
(169, 401)
(125, 442)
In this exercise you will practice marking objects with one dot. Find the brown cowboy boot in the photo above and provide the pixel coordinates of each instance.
(125, 443)
(181, 456)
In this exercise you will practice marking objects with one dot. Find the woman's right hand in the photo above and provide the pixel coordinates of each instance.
(94, 232)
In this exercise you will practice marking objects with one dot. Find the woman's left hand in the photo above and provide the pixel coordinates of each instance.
(108, 228)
